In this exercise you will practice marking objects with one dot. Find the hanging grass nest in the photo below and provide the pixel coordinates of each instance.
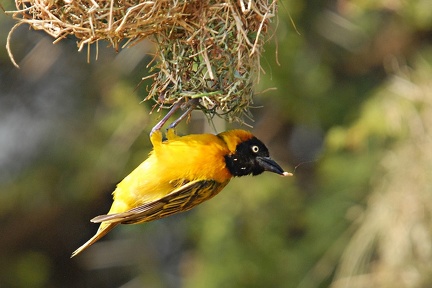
(206, 50)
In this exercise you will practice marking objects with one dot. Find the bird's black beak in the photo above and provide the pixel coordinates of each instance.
(270, 165)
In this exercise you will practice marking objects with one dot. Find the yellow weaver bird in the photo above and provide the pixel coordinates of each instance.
(180, 173)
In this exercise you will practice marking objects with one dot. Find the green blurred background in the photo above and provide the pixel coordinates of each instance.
(351, 115)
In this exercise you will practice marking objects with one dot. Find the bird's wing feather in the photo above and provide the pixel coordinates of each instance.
(181, 199)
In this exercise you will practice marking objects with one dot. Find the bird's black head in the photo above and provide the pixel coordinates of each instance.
(251, 157)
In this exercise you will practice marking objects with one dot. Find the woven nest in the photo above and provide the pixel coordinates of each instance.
(206, 50)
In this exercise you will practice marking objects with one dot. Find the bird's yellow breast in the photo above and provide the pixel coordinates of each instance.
(172, 163)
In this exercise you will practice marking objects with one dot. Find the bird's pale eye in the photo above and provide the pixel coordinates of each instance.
(255, 149)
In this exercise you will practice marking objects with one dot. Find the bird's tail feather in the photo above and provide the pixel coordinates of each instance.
(103, 230)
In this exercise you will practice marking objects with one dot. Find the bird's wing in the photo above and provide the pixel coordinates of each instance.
(181, 199)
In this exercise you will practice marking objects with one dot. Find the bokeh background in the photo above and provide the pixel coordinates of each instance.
(346, 105)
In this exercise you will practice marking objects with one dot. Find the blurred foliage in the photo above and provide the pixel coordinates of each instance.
(351, 112)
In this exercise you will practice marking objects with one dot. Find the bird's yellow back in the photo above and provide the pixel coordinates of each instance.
(172, 163)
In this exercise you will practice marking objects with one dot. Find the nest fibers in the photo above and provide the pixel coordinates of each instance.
(207, 49)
